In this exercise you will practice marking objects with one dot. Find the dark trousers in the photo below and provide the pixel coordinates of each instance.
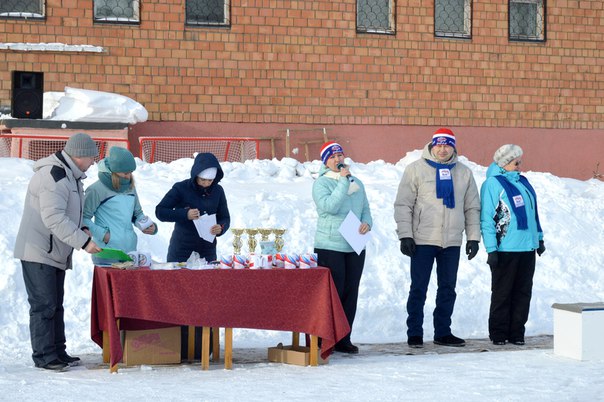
(511, 290)
(447, 262)
(346, 270)
(184, 342)
(45, 289)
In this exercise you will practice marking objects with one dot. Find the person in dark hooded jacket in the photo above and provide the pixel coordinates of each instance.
(190, 199)
(186, 201)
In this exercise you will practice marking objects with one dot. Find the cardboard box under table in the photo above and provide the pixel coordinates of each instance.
(578, 330)
(152, 346)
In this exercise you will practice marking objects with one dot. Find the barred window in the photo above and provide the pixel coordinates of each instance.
(375, 16)
(126, 11)
(453, 18)
(22, 8)
(527, 20)
(208, 12)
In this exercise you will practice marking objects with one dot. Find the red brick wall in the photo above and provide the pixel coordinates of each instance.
(301, 62)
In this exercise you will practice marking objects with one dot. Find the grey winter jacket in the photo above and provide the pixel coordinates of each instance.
(423, 217)
(52, 216)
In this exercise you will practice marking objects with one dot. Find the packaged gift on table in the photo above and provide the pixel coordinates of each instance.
(226, 262)
(291, 261)
(239, 261)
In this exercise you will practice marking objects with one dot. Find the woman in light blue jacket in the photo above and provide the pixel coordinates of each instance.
(336, 193)
(511, 232)
(111, 206)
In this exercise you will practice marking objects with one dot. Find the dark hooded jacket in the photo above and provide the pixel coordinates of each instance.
(186, 195)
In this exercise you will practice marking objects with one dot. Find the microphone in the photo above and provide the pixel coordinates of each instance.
(348, 176)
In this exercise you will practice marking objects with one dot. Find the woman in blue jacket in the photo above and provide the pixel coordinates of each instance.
(511, 232)
(190, 199)
(111, 206)
(335, 195)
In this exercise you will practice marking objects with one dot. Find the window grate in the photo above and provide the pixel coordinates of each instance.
(208, 12)
(120, 11)
(376, 16)
(526, 20)
(22, 9)
(453, 18)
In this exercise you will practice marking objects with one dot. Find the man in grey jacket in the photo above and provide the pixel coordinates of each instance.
(51, 227)
(437, 200)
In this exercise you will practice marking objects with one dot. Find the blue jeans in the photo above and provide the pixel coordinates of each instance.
(447, 262)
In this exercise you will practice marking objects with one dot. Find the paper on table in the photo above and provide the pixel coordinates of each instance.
(113, 254)
(203, 226)
(350, 230)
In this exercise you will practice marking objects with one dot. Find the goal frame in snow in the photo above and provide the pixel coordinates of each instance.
(226, 149)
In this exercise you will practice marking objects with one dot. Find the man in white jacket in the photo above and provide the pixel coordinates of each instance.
(51, 227)
(437, 200)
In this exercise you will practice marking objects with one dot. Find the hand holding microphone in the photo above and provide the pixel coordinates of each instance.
(343, 169)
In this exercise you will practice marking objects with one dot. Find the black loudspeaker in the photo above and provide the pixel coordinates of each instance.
(27, 99)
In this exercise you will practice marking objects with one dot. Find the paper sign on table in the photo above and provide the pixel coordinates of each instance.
(203, 226)
(350, 230)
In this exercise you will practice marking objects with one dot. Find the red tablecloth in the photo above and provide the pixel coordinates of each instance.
(297, 300)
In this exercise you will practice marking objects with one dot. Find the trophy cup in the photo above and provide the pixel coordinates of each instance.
(237, 240)
(264, 234)
(279, 239)
(251, 240)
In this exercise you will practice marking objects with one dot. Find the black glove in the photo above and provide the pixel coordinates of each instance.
(541, 248)
(407, 246)
(471, 248)
(493, 259)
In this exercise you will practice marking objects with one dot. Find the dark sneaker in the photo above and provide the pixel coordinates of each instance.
(519, 342)
(499, 343)
(70, 360)
(56, 365)
(449, 340)
(415, 342)
(347, 348)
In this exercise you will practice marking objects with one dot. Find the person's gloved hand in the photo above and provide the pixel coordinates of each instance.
(493, 259)
(471, 248)
(541, 248)
(407, 246)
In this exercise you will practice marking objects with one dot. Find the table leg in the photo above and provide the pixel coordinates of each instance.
(228, 348)
(191, 344)
(314, 351)
(113, 369)
(106, 347)
(295, 340)
(205, 348)
(215, 344)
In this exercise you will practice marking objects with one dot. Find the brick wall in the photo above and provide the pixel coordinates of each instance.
(301, 62)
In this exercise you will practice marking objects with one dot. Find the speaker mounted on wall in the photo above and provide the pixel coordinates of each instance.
(27, 99)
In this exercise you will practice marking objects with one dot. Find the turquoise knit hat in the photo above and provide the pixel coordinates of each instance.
(121, 160)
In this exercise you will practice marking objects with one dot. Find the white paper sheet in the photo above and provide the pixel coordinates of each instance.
(203, 226)
(350, 230)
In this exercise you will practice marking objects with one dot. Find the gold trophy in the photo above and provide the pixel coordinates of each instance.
(251, 240)
(279, 242)
(237, 243)
(264, 234)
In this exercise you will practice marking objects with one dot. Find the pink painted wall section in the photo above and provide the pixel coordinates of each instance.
(562, 152)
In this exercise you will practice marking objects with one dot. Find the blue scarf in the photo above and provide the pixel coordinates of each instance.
(519, 210)
(105, 178)
(444, 182)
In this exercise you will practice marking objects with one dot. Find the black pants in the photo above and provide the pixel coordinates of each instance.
(45, 289)
(346, 270)
(184, 342)
(511, 290)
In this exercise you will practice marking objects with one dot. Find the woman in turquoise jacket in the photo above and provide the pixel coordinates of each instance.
(336, 193)
(111, 206)
(511, 232)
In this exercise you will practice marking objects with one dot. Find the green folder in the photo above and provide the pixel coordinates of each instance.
(113, 254)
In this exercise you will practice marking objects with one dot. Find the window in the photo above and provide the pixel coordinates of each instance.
(375, 16)
(208, 12)
(22, 8)
(117, 11)
(453, 18)
(527, 20)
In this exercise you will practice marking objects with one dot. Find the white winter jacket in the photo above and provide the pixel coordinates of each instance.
(423, 217)
(52, 216)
